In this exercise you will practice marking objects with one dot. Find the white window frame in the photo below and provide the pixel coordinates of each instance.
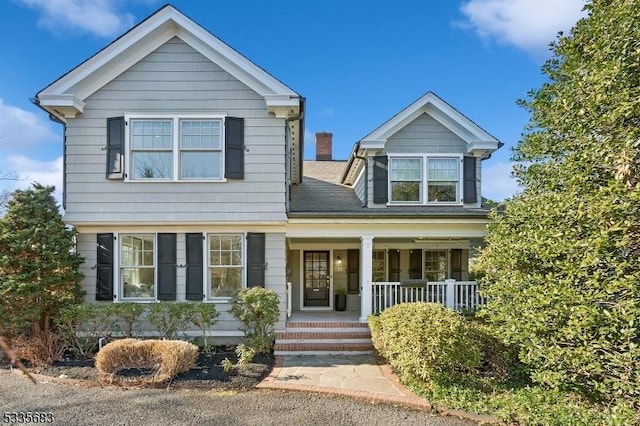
(384, 262)
(425, 181)
(207, 260)
(119, 287)
(176, 134)
(447, 269)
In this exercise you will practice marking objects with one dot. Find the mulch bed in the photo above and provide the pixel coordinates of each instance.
(207, 374)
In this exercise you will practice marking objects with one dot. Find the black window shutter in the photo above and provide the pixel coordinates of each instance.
(104, 267)
(167, 267)
(234, 148)
(469, 176)
(194, 267)
(353, 271)
(380, 176)
(255, 259)
(456, 264)
(394, 265)
(415, 264)
(115, 148)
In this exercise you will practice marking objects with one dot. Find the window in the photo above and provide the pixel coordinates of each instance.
(379, 273)
(137, 266)
(160, 152)
(151, 145)
(200, 149)
(225, 265)
(443, 175)
(435, 265)
(424, 180)
(406, 178)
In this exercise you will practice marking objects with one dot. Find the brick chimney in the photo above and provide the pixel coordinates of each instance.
(323, 146)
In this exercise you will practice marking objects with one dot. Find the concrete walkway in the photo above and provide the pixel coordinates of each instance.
(358, 376)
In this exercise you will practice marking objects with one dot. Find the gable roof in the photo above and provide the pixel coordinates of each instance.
(479, 142)
(64, 98)
(441, 111)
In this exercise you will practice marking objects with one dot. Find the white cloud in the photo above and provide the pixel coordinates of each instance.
(30, 171)
(22, 130)
(22, 134)
(98, 17)
(527, 24)
(497, 182)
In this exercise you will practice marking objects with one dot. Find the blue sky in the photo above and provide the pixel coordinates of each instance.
(357, 62)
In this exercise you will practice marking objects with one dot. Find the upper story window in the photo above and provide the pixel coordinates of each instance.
(176, 149)
(424, 180)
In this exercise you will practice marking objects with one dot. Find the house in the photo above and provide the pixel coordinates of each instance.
(184, 177)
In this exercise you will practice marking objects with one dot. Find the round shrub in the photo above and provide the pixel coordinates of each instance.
(425, 340)
(258, 310)
(166, 358)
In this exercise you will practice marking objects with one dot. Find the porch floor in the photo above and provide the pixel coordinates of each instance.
(324, 316)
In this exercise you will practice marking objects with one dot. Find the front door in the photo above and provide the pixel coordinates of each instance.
(316, 279)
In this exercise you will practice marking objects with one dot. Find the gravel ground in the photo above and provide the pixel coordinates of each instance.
(79, 405)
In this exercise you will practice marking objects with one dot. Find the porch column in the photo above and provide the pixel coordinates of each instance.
(366, 276)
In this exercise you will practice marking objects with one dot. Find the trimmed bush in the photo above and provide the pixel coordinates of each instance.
(127, 316)
(169, 317)
(166, 359)
(425, 341)
(258, 310)
(203, 316)
(80, 326)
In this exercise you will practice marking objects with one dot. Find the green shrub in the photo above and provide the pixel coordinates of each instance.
(81, 326)
(169, 317)
(258, 311)
(127, 316)
(425, 341)
(203, 316)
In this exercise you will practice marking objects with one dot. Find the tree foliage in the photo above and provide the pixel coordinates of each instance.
(38, 264)
(562, 265)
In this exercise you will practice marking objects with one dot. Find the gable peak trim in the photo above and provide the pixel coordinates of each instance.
(151, 33)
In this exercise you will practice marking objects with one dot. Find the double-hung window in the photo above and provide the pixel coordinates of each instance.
(406, 180)
(378, 266)
(226, 265)
(137, 266)
(151, 149)
(176, 148)
(443, 177)
(436, 266)
(424, 180)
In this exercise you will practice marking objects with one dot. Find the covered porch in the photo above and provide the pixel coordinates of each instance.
(377, 272)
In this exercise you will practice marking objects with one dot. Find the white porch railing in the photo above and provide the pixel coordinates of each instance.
(457, 295)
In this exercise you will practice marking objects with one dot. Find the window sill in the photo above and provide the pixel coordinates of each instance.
(392, 204)
(176, 180)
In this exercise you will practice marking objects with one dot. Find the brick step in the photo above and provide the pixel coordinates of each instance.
(324, 335)
(321, 348)
(331, 325)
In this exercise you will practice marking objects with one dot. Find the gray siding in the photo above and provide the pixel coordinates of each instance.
(425, 135)
(275, 275)
(175, 79)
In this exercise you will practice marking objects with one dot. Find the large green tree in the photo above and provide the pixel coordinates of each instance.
(562, 264)
(38, 264)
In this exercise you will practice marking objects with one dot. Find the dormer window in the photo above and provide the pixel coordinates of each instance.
(425, 180)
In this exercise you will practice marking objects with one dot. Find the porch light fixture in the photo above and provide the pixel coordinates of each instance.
(339, 260)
